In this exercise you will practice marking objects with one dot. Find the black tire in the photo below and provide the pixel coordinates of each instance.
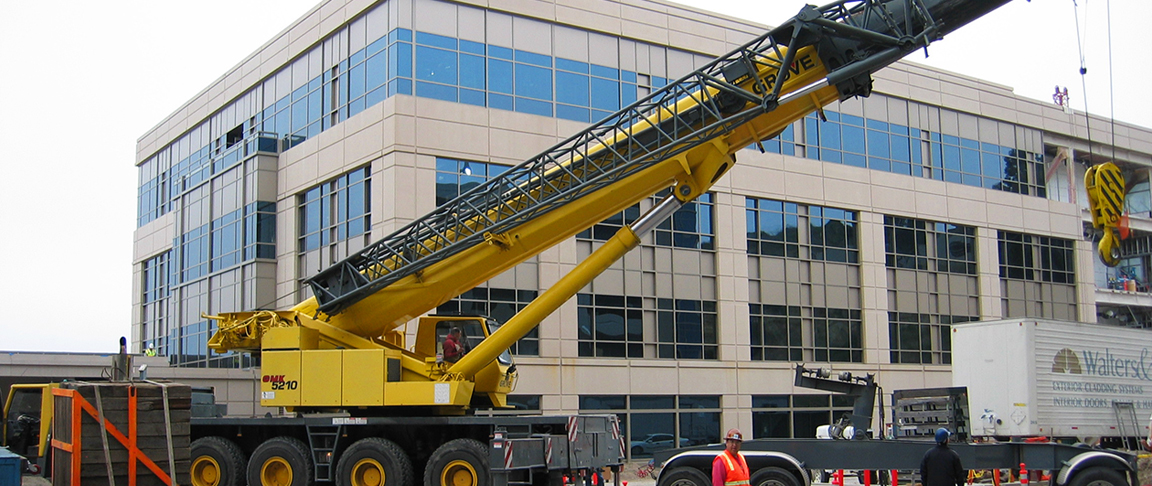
(684, 476)
(281, 461)
(825, 475)
(1098, 476)
(459, 462)
(374, 462)
(637, 451)
(217, 461)
(773, 476)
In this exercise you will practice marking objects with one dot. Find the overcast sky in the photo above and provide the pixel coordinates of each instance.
(80, 81)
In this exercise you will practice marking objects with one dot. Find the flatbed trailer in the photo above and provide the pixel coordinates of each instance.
(785, 462)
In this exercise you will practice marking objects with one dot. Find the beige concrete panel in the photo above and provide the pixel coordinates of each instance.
(532, 35)
(499, 28)
(685, 286)
(648, 380)
(699, 378)
(604, 377)
(804, 186)
(846, 193)
(299, 175)
(570, 43)
(434, 17)
(598, 21)
(686, 261)
(966, 210)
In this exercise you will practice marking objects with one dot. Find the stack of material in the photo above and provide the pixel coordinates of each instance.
(106, 454)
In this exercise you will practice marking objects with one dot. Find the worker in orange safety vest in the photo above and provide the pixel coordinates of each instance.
(729, 468)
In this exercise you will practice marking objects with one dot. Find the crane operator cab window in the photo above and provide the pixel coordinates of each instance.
(457, 338)
(22, 421)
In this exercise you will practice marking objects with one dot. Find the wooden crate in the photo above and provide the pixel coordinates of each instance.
(133, 443)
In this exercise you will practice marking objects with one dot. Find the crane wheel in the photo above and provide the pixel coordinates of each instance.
(773, 476)
(217, 461)
(281, 461)
(374, 462)
(684, 476)
(460, 462)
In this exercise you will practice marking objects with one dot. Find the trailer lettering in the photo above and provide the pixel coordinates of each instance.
(272, 379)
(1107, 364)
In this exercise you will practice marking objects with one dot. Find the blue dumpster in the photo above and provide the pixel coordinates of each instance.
(11, 466)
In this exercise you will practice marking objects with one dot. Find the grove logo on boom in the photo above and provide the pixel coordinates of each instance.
(1066, 361)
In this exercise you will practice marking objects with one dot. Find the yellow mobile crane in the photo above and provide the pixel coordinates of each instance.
(404, 408)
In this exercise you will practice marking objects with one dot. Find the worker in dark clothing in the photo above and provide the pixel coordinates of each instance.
(941, 465)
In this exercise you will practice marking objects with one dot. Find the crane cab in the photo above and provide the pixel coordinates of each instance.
(444, 340)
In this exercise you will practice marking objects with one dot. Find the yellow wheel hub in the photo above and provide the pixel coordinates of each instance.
(367, 472)
(458, 473)
(276, 472)
(205, 471)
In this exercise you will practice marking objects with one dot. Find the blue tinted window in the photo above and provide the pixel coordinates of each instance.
(605, 72)
(605, 94)
(502, 102)
(436, 65)
(525, 105)
(500, 52)
(572, 113)
(437, 91)
(472, 71)
(376, 70)
(400, 60)
(628, 76)
(472, 97)
(435, 40)
(533, 58)
(533, 82)
(500, 76)
(574, 66)
(473, 47)
(572, 89)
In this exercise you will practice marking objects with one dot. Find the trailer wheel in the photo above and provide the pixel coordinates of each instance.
(217, 461)
(281, 461)
(773, 476)
(460, 462)
(684, 476)
(374, 462)
(1098, 476)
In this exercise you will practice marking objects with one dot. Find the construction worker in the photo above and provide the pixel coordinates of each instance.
(729, 468)
(941, 465)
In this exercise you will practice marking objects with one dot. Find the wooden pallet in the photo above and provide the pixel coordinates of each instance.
(143, 439)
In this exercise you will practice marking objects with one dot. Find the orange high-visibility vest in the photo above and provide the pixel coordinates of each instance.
(736, 469)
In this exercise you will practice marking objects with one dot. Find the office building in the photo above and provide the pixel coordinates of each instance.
(852, 242)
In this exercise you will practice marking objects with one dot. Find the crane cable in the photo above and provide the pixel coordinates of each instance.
(1083, 71)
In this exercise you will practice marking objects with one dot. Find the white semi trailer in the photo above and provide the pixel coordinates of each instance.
(1036, 377)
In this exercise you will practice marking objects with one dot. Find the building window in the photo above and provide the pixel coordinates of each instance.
(774, 230)
(689, 227)
(796, 249)
(499, 304)
(925, 245)
(610, 326)
(783, 333)
(975, 163)
(686, 329)
(335, 211)
(1037, 276)
(1037, 258)
(932, 284)
(795, 416)
(654, 423)
(456, 177)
